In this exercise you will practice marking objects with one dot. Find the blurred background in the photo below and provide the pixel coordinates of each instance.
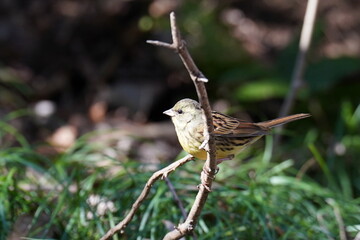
(73, 68)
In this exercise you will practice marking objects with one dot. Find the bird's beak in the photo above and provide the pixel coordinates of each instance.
(169, 112)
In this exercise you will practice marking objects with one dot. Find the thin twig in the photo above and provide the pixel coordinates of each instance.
(299, 68)
(176, 197)
(163, 173)
(308, 164)
(305, 40)
(178, 201)
(209, 169)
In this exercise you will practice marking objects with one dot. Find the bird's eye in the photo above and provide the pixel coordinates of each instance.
(180, 111)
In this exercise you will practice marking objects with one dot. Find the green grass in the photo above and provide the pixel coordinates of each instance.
(264, 197)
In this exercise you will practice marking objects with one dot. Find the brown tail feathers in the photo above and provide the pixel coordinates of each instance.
(280, 121)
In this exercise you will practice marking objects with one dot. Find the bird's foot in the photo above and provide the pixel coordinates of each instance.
(204, 144)
(205, 174)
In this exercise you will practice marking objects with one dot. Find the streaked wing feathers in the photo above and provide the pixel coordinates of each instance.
(231, 127)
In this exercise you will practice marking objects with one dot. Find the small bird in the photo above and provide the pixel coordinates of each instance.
(232, 135)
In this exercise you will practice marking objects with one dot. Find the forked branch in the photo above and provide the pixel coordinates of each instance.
(209, 169)
(163, 173)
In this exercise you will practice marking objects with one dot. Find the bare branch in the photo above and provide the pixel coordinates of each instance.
(209, 169)
(163, 173)
(299, 68)
(298, 74)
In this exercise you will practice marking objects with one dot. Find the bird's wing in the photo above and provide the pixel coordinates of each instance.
(232, 127)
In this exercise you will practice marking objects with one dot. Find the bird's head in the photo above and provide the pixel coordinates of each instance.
(184, 111)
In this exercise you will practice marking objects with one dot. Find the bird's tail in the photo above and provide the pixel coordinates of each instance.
(280, 121)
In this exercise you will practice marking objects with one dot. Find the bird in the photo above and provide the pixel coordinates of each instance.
(232, 135)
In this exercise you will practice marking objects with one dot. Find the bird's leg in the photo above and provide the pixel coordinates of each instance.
(220, 160)
(204, 143)
(206, 171)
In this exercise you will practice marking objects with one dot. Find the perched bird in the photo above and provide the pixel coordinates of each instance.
(232, 135)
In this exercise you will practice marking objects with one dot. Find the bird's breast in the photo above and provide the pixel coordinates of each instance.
(190, 138)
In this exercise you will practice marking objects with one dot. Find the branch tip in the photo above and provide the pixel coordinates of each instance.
(160, 44)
